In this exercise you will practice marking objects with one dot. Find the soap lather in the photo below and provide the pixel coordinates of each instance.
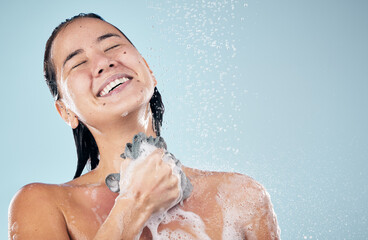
(133, 151)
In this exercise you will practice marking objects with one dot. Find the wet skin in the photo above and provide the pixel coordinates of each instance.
(83, 207)
(79, 209)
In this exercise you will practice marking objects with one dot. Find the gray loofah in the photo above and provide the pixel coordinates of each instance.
(133, 151)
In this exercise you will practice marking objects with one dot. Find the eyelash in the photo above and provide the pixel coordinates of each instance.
(117, 45)
(79, 64)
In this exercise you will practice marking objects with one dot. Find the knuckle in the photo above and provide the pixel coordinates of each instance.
(157, 155)
(176, 194)
(153, 157)
(159, 151)
(176, 180)
(168, 170)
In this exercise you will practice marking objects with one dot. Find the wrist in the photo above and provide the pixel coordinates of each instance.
(133, 209)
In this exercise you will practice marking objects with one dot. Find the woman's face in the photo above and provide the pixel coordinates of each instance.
(100, 75)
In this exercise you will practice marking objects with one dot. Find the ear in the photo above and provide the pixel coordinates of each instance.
(66, 114)
(154, 78)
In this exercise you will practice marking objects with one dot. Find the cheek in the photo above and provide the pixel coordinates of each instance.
(140, 91)
(79, 82)
(139, 94)
(130, 57)
(146, 93)
(76, 89)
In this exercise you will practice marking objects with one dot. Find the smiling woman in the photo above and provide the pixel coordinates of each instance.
(105, 90)
(86, 146)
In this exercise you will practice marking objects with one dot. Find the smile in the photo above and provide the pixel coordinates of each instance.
(112, 85)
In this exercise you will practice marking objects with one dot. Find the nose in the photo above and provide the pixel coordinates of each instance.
(103, 64)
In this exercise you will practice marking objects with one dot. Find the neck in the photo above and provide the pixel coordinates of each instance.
(111, 141)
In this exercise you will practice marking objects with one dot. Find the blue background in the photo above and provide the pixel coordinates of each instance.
(276, 90)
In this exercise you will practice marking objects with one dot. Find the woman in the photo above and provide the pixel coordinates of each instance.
(106, 92)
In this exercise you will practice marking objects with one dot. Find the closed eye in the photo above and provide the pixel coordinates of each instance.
(117, 45)
(79, 64)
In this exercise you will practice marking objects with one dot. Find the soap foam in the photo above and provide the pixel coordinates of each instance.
(251, 200)
(94, 195)
(98, 217)
(190, 219)
(14, 231)
(186, 218)
(145, 150)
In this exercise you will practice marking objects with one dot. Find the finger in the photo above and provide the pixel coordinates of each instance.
(157, 155)
(159, 151)
(174, 182)
(168, 157)
(124, 165)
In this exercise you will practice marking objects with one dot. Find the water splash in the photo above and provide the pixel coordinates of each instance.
(205, 39)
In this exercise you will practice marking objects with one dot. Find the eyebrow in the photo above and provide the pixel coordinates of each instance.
(79, 51)
(108, 35)
(70, 56)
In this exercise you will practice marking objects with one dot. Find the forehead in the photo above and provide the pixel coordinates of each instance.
(78, 34)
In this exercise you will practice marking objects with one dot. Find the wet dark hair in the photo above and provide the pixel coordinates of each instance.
(85, 143)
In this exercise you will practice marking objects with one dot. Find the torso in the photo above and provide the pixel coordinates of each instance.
(86, 206)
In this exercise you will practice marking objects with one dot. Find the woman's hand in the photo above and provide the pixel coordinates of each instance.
(149, 182)
(147, 186)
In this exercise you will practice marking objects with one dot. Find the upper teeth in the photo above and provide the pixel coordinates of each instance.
(111, 85)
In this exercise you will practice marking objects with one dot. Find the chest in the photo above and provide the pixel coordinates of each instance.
(190, 221)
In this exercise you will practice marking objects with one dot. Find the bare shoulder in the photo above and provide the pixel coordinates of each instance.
(245, 204)
(231, 188)
(229, 183)
(239, 187)
(32, 195)
(34, 213)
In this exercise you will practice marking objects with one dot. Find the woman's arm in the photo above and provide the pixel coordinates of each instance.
(125, 221)
(152, 187)
(33, 214)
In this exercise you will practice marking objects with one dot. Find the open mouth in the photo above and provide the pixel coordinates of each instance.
(113, 85)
